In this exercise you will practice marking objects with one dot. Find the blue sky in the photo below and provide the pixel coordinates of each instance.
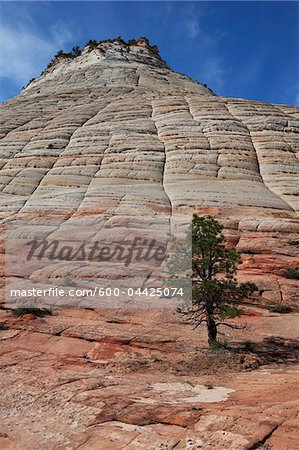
(240, 49)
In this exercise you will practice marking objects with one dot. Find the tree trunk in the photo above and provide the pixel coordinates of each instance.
(212, 330)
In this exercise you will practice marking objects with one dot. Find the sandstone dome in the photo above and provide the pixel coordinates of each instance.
(115, 132)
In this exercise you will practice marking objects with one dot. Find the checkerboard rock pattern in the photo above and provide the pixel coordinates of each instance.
(115, 133)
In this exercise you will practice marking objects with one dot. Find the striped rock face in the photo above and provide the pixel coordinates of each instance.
(115, 135)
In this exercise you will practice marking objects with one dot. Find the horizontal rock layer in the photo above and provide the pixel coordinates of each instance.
(115, 132)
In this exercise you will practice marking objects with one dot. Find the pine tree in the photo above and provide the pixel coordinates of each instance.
(215, 289)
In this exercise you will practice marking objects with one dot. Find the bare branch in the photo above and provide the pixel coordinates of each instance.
(231, 325)
(199, 323)
(197, 312)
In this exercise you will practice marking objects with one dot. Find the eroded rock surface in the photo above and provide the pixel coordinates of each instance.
(115, 135)
(115, 132)
(97, 380)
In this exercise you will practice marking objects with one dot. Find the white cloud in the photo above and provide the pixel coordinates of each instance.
(24, 51)
(193, 23)
(193, 27)
(211, 64)
(21, 53)
(213, 72)
(61, 33)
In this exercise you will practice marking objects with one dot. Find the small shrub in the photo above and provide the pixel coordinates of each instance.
(59, 53)
(143, 38)
(292, 273)
(279, 308)
(50, 146)
(230, 312)
(132, 41)
(92, 43)
(76, 51)
(48, 66)
(38, 312)
(247, 251)
(217, 345)
(249, 346)
(120, 40)
(209, 386)
(3, 326)
(30, 81)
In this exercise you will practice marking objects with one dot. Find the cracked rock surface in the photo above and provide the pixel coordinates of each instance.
(94, 380)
